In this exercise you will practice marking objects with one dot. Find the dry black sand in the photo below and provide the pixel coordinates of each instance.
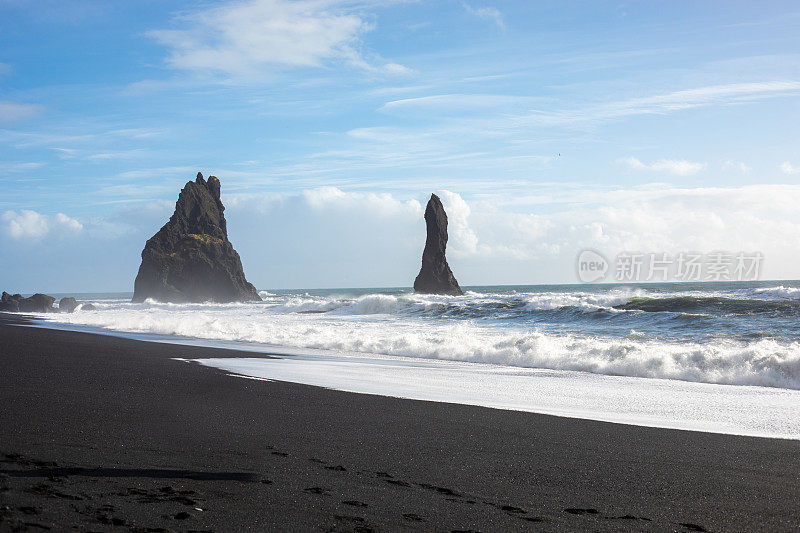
(101, 433)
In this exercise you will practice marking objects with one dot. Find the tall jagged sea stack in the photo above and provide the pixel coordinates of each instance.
(435, 276)
(190, 259)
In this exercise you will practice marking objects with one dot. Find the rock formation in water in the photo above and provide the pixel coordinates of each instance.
(435, 276)
(10, 302)
(67, 304)
(38, 303)
(190, 259)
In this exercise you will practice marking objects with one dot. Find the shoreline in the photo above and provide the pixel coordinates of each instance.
(636, 400)
(105, 432)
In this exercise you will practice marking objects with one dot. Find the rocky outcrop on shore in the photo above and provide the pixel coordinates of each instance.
(67, 304)
(190, 259)
(435, 276)
(38, 303)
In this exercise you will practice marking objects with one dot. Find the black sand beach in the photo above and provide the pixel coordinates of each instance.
(100, 433)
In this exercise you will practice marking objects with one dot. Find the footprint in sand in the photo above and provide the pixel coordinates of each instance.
(577, 511)
(692, 527)
(440, 490)
(355, 503)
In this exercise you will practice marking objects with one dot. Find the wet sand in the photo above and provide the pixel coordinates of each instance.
(103, 433)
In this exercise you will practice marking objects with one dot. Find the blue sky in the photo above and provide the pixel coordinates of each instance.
(547, 127)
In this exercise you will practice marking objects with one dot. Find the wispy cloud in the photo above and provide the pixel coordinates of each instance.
(788, 168)
(117, 155)
(736, 165)
(662, 104)
(488, 13)
(439, 102)
(679, 167)
(519, 111)
(247, 39)
(12, 111)
(20, 166)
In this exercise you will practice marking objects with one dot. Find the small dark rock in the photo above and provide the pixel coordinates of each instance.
(183, 515)
(67, 305)
(88, 307)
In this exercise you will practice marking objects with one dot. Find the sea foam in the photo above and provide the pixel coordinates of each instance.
(435, 328)
(755, 411)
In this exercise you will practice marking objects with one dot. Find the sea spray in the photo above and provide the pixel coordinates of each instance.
(724, 334)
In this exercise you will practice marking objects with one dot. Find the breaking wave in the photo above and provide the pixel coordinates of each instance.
(703, 336)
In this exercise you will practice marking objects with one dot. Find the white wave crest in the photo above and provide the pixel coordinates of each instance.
(764, 362)
(778, 293)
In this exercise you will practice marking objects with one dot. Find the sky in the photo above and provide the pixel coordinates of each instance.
(546, 127)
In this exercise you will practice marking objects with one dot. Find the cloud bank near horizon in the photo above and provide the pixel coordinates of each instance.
(354, 239)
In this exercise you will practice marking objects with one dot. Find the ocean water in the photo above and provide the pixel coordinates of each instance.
(722, 333)
(708, 357)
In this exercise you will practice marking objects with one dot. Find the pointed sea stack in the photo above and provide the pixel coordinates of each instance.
(435, 276)
(190, 259)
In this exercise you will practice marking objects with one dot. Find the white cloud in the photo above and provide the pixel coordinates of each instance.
(488, 13)
(378, 204)
(736, 165)
(20, 166)
(788, 168)
(245, 39)
(376, 239)
(712, 94)
(459, 102)
(461, 237)
(27, 224)
(679, 167)
(661, 104)
(342, 238)
(11, 111)
(119, 154)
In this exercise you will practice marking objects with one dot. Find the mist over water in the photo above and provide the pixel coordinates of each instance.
(740, 334)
